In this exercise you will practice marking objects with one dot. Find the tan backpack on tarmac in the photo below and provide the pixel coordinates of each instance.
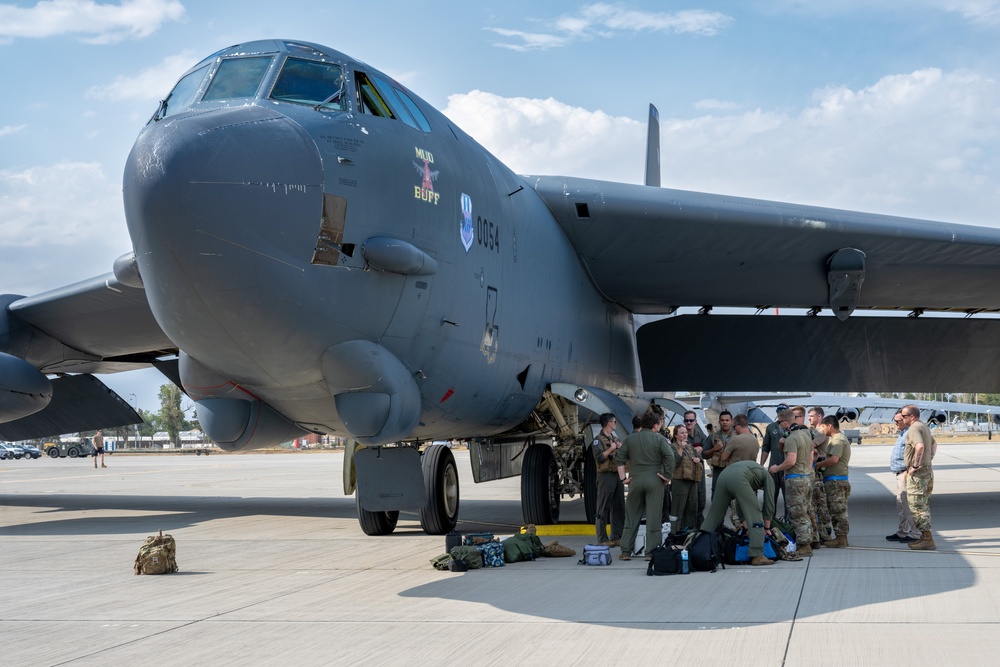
(157, 555)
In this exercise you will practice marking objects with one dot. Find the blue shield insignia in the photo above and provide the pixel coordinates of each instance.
(468, 236)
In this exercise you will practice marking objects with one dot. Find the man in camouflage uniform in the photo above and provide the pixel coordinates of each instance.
(835, 478)
(797, 467)
(610, 488)
(718, 441)
(652, 466)
(774, 446)
(919, 475)
(823, 520)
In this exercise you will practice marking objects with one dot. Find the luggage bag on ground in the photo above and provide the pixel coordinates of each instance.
(596, 554)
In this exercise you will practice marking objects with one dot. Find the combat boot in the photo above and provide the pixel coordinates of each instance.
(805, 551)
(761, 560)
(837, 542)
(925, 543)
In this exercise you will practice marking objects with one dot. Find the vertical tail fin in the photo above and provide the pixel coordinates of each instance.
(653, 148)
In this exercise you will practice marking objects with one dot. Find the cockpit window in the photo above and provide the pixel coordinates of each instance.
(182, 96)
(237, 77)
(310, 82)
(370, 99)
(380, 98)
(413, 109)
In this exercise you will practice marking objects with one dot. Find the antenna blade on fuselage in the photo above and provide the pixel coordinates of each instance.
(653, 148)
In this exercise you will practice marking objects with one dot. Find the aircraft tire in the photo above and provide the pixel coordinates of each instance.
(589, 484)
(540, 486)
(440, 513)
(377, 523)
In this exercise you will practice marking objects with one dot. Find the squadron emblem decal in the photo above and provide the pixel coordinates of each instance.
(468, 235)
(425, 191)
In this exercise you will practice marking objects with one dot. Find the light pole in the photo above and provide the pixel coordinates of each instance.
(135, 405)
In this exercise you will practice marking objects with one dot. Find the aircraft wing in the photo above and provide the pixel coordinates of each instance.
(655, 249)
(99, 325)
(95, 326)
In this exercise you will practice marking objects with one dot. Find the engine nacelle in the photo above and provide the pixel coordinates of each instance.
(936, 416)
(847, 414)
(376, 396)
(234, 424)
(24, 390)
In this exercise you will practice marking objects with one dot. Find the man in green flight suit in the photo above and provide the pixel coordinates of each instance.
(651, 460)
(741, 481)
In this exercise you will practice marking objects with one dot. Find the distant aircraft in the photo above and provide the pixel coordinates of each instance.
(316, 249)
(761, 407)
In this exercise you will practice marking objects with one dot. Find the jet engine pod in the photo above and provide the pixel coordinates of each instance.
(234, 424)
(24, 390)
(937, 416)
(376, 396)
(847, 414)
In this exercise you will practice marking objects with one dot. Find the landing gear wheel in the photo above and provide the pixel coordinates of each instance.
(440, 513)
(589, 484)
(377, 523)
(540, 485)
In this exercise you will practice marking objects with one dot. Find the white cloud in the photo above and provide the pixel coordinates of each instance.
(986, 12)
(549, 137)
(59, 223)
(601, 20)
(981, 12)
(924, 144)
(11, 129)
(150, 84)
(62, 204)
(715, 105)
(103, 23)
(529, 41)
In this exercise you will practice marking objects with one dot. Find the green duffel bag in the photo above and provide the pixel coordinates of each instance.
(470, 555)
(520, 547)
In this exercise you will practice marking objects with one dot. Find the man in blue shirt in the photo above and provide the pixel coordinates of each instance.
(907, 531)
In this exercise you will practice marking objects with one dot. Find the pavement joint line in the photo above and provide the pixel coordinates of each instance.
(795, 614)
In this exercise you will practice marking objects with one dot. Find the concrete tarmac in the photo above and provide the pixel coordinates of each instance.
(276, 571)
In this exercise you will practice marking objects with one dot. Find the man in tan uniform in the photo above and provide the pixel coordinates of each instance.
(919, 475)
(798, 470)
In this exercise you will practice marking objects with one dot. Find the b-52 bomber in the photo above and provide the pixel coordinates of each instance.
(315, 249)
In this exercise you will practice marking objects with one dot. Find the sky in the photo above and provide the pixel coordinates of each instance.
(850, 104)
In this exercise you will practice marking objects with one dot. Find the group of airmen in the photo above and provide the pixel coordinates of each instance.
(664, 470)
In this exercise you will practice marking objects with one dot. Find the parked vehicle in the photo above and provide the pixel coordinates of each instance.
(31, 452)
(70, 449)
(12, 450)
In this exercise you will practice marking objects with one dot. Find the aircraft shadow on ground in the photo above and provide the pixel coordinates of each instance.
(680, 602)
(178, 512)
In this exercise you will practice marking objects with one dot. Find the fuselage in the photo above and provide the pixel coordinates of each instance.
(292, 210)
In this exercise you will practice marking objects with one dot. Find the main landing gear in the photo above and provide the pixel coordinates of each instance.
(548, 473)
(439, 476)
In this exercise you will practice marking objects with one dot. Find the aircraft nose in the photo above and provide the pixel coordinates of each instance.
(221, 206)
(219, 172)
